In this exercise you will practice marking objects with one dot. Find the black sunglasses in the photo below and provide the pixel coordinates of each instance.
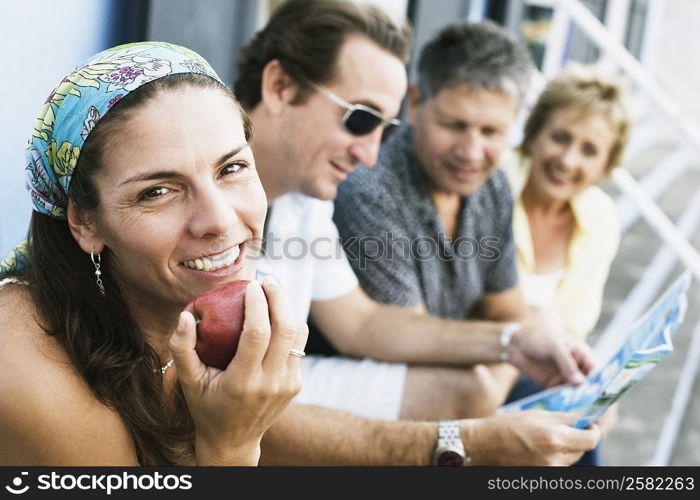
(358, 118)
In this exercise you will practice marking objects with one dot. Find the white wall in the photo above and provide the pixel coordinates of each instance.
(42, 41)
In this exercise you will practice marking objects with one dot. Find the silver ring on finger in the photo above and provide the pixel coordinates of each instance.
(297, 352)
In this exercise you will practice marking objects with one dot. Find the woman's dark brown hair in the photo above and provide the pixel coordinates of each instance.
(104, 343)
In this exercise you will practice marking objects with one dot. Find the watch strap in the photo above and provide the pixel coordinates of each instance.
(449, 441)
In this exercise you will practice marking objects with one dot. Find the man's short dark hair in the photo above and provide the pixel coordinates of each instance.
(482, 55)
(306, 37)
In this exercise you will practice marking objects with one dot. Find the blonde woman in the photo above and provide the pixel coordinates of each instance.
(566, 228)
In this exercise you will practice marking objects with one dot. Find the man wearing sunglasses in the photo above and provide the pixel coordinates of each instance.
(321, 82)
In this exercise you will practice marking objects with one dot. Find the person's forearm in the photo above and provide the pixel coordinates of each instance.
(439, 392)
(310, 435)
(393, 333)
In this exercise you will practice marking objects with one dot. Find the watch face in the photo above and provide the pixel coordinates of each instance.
(450, 458)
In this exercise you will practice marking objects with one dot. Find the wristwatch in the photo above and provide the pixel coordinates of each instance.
(449, 450)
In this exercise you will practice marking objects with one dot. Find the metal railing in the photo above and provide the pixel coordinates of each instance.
(638, 199)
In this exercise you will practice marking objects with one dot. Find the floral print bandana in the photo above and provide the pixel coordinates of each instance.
(74, 107)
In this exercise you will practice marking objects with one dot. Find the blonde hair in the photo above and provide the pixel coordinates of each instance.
(592, 91)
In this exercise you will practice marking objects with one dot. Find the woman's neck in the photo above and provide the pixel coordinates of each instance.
(551, 227)
(157, 324)
(542, 205)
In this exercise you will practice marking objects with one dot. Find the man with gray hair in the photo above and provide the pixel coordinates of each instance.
(429, 227)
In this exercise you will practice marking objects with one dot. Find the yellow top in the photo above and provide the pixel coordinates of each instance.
(593, 245)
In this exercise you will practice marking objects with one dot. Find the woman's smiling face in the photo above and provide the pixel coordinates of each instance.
(181, 205)
(570, 153)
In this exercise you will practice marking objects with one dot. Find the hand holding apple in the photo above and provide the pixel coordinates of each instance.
(233, 408)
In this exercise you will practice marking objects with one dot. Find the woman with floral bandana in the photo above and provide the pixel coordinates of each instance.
(139, 166)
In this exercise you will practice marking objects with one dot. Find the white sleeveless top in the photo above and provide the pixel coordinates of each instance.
(540, 290)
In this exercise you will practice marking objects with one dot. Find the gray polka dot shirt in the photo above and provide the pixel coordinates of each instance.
(396, 242)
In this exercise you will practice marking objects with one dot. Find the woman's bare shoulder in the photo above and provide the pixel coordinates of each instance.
(48, 415)
(25, 349)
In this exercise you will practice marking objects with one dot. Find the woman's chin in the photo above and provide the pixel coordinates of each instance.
(559, 192)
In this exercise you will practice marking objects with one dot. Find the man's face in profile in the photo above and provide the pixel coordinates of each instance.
(317, 143)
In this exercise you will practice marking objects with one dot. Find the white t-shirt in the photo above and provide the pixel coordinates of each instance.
(303, 252)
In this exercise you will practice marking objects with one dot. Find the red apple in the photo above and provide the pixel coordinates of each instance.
(219, 314)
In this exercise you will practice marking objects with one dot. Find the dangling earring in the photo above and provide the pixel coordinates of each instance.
(98, 273)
